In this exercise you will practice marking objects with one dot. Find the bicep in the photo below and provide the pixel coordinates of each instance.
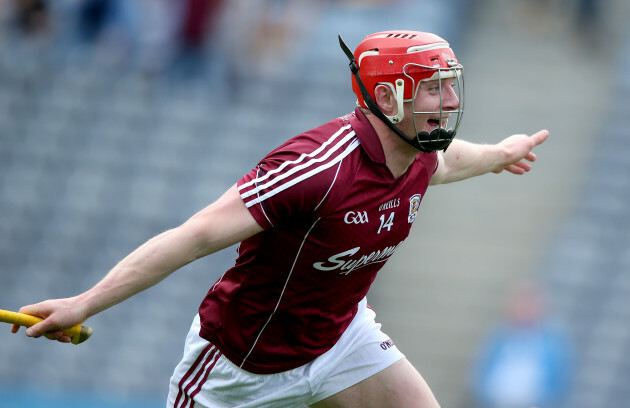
(463, 160)
(438, 175)
(223, 223)
(452, 161)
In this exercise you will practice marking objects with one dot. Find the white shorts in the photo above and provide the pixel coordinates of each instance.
(206, 378)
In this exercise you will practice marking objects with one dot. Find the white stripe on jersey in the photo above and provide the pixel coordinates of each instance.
(355, 143)
(262, 208)
(286, 282)
(295, 169)
(329, 188)
(299, 159)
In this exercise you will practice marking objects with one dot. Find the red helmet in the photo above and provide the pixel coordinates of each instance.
(382, 57)
(402, 59)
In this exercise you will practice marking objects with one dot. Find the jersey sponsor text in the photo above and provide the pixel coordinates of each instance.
(345, 264)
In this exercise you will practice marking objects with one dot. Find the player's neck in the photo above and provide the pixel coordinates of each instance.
(399, 155)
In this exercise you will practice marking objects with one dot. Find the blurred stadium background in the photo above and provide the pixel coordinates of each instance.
(115, 127)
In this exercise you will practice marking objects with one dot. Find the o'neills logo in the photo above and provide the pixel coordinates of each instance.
(346, 264)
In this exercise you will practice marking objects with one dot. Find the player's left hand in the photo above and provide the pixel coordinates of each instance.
(517, 151)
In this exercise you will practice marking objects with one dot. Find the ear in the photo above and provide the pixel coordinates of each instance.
(385, 99)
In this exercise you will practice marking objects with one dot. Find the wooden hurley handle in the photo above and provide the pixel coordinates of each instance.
(77, 333)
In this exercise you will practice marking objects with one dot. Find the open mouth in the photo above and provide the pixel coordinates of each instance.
(435, 122)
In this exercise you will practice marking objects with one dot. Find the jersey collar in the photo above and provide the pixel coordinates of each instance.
(367, 136)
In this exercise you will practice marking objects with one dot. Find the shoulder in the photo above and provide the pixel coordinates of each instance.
(297, 176)
(329, 137)
(430, 161)
(313, 152)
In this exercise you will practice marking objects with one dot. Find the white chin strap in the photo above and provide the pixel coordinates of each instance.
(399, 92)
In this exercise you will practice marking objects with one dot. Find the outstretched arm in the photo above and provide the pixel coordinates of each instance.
(463, 160)
(223, 223)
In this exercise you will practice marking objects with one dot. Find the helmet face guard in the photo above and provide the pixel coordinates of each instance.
(403, 60)
(447, 121)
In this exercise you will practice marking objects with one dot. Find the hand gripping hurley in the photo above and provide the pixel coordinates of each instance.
(77, 333)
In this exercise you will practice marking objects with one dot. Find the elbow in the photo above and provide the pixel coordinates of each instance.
(195, 237)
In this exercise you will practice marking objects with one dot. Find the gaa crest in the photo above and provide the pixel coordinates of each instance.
(414, 205)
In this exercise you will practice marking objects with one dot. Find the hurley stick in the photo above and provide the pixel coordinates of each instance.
(77, 333)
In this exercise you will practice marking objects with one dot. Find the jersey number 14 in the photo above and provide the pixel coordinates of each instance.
(386, 224)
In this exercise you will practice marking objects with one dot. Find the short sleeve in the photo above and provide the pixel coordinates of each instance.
(287, 184)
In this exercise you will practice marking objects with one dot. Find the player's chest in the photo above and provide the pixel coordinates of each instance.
(384, 217)
(364, 231)
(373, 213)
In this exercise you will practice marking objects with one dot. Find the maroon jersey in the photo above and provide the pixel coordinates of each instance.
(333, 214)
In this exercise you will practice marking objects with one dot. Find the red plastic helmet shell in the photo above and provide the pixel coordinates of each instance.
(382, 56)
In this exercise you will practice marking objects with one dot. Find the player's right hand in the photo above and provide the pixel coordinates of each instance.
(58, 314)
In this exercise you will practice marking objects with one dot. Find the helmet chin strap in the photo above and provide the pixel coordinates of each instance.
(426, 142)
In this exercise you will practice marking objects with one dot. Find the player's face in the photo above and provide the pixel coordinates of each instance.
(429, 97)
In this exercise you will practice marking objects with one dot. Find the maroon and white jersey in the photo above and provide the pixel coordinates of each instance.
(333, 215)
